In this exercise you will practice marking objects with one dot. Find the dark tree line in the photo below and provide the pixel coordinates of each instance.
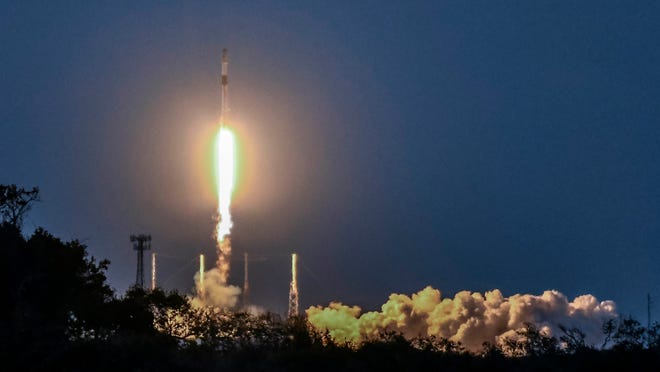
(61, 314)
(15, 202)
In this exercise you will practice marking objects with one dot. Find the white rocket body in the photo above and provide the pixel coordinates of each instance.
(224, 93)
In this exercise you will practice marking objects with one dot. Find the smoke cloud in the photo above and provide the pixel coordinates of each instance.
(471, 318)
(214, 291)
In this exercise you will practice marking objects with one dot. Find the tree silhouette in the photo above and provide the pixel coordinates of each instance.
(653, 337)
(529, 341)
(629, 335)
(608, 328)
(572, 339)
(15, 202)
(438, 344)
(56, 293)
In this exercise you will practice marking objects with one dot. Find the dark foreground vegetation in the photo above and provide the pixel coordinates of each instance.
(60, 314)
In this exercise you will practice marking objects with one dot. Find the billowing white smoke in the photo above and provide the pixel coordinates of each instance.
(213, 291)
(471, 318)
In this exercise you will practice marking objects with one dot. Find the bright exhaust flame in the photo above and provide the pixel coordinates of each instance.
(224, 171)
(212, 287)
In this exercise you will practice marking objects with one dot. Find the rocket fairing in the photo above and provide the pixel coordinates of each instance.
(224, 93)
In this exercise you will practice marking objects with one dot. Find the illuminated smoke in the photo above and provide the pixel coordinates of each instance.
(212, 291)
(471, 318)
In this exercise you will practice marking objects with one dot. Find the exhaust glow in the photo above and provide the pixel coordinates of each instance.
(225, 176)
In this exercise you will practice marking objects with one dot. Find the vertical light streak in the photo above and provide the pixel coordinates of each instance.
(201, 273)
(153, 271)
(293, 289)
(294, 271)
(225, 174)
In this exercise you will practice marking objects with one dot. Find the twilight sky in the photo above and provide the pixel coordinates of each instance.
(465, 145)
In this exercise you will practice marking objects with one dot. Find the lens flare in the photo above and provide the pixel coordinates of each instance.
(225, 174)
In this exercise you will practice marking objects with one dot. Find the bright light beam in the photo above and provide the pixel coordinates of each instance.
(225, 175)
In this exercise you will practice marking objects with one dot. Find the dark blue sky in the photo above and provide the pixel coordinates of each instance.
(465, 145)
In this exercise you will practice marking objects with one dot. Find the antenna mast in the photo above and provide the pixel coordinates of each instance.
(141, 243)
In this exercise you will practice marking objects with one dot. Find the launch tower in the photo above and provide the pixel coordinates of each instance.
(141, 243)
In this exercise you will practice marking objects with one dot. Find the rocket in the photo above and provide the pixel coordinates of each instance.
(224, 93)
